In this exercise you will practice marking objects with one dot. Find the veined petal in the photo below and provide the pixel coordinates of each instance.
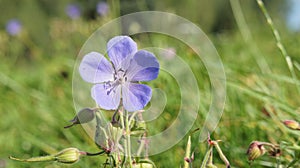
(95, 68)
(119, 49)
(108, 100)
(143, 67)
(135, 96)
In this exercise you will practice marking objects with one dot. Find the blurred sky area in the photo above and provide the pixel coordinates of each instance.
(293, 15)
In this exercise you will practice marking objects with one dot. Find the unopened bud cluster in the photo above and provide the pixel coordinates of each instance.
(257, 149)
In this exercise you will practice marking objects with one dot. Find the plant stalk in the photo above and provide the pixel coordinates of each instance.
(128, 143)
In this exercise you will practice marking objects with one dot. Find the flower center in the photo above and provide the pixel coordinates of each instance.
(119, 79)
(120, 76)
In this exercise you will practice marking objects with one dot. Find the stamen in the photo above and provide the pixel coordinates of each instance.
(119, 78)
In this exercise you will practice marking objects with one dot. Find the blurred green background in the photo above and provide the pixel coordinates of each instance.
(39, 50)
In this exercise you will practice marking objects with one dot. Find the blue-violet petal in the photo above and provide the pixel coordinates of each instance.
(120, 49)
(135, 96)
(106, 99)
(95, 68)
(143, 67)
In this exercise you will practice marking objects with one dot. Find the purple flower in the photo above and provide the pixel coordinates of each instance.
(73, 11)
(102, 8)
(119, 79)
(13, 27)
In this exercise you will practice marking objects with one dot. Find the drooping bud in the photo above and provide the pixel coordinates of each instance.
(255, 150)
(294, 125)
(83, 116)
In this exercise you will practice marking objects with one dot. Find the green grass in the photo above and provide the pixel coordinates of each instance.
(36, 96)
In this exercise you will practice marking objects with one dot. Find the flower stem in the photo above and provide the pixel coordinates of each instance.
(222, 156)
(142, 145)
(187, 153)
(35, 159)
(207, 157)
(131, 118)
(123, 128)
(95, 154)
(124, 116)
(128, 143)
(210, 159)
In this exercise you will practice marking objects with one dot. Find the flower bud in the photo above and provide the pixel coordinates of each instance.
(69, 155)
(83, 116)
(294, 125)
(255, 150)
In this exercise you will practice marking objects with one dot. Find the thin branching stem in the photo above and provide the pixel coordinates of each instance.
(131, 118)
